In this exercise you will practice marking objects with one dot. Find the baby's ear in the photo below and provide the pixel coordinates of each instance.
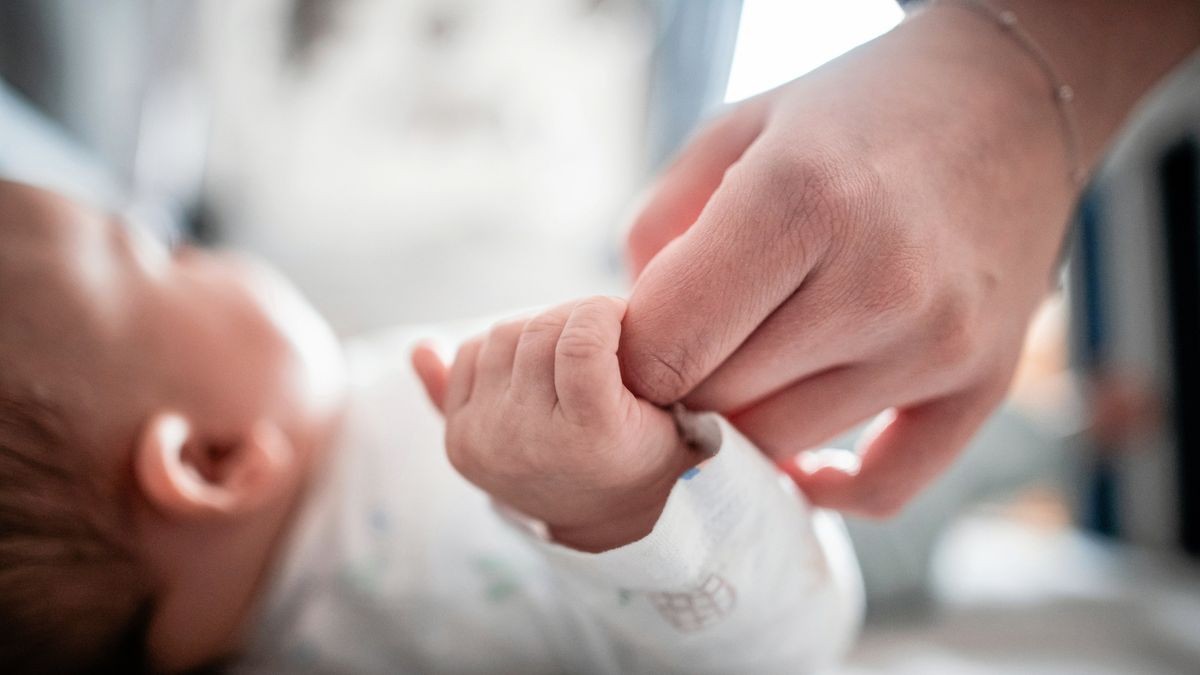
(185, 475)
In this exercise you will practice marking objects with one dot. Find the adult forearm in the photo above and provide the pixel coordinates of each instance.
(1110, 52)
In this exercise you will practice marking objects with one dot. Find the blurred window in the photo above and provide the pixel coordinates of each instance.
(780, 40)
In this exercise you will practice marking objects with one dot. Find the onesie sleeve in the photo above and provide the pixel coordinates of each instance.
(740, 574)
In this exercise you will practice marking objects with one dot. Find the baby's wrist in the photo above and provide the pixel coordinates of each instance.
(606, 535)
(629, 516)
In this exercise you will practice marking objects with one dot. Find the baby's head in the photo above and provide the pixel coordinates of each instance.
(159, 414)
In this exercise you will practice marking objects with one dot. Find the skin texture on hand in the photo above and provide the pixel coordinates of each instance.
(874, 237)
(537, 416)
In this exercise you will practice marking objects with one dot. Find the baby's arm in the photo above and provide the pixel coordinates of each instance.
(720, 568)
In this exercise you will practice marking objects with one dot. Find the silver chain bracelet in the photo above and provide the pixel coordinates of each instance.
(1061, 92)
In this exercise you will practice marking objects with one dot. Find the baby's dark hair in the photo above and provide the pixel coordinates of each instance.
(74, 597)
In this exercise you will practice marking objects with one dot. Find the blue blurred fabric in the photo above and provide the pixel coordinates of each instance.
(34, 150)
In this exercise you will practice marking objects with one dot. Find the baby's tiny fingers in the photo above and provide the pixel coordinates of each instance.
(533, 367)
(496, 356)
(462, 375)
(433, 373)
(586, 374)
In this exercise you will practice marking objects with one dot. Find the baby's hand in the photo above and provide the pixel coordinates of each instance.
(538, 417)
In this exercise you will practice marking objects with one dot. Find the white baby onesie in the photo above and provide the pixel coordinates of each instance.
(398, 565)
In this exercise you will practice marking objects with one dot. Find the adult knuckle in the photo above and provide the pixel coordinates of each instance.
(901, 285)
(820, 190)
(954, 333)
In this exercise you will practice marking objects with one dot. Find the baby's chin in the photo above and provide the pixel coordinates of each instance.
(321, 371)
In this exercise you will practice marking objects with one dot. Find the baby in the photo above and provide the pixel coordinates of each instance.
(193, 472)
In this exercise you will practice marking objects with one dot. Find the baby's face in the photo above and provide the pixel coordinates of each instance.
(106, 319)
(126, 339)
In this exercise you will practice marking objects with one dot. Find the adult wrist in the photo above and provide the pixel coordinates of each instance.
(1057, 89)
(1111, 51)
(993, 114)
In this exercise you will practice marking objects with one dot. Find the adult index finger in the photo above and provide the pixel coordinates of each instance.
(756, 241)
(680, 194)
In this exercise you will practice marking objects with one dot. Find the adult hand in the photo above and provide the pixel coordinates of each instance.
(874, 236)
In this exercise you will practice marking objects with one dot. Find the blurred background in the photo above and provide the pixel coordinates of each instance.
(428, 161)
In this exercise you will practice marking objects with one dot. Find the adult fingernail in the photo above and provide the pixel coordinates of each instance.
(843, 461)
